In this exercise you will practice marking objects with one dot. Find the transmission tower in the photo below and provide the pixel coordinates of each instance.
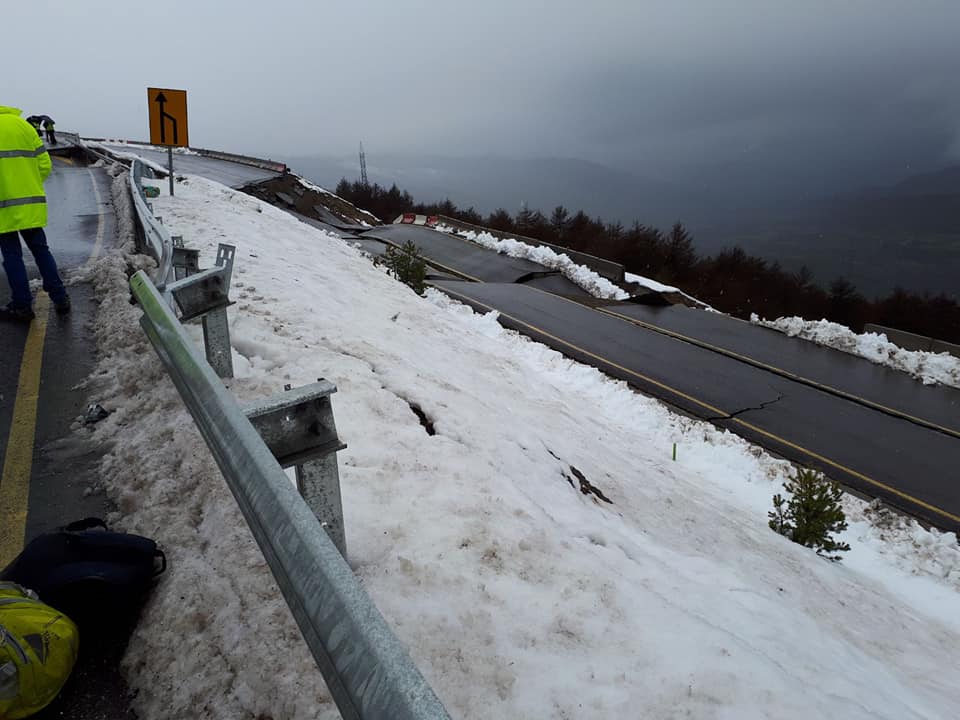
(363, 166)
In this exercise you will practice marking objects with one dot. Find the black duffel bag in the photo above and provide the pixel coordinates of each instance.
(91, 574)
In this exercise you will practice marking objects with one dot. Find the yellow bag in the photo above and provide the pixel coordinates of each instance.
(38, 647)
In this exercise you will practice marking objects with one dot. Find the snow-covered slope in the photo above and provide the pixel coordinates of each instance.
(518, 595)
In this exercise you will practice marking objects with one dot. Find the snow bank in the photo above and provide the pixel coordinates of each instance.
(931, 368)
(592, 282)
(111, 143)
(589, 280)
(517, 595)
(652, 284)
(124, 155)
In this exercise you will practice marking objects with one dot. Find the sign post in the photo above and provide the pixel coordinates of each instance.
(168, 121)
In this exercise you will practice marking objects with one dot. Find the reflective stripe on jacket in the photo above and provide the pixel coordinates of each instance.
(24, 165)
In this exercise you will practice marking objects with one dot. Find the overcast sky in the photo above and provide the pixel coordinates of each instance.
(858, 88)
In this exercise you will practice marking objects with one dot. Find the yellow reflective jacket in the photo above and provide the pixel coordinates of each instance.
(24, 165)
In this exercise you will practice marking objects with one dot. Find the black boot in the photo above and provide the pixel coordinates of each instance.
(12, 313)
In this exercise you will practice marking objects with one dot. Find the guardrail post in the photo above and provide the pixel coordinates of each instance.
(298, 427)
(318, 482)
(216, 342)
(216, 327)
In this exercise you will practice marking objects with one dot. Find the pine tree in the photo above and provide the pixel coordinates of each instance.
(559, 220)
(407, 265)
(524, 218)
(803, 278)
(812, 514)
(500, 219)
(680, 253)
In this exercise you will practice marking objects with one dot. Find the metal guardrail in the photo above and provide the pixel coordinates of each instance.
(97, 152)
(157, 240)
(262, 163)
(366, 668)
(243, 159)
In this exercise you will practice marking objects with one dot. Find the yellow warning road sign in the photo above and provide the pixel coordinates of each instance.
(168, 117)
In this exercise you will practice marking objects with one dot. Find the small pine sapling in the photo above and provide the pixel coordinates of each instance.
(812, 514)
(407, 265)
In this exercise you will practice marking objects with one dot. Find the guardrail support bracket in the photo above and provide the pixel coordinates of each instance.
(186, 261)
(205, 294)
(298, 427)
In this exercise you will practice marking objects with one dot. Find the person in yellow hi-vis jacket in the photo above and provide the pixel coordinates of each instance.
(24, 165)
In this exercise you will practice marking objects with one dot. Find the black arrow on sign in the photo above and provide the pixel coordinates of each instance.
(160, 99)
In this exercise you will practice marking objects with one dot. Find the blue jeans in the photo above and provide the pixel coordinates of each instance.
(36, 240)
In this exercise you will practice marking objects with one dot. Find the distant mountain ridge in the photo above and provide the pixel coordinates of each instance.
(489, 183)
(925, 203)
(905, 234)
(944, 181)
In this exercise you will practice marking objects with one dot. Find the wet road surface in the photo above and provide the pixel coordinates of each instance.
(62, 467)
(854, 377)
(231, 174)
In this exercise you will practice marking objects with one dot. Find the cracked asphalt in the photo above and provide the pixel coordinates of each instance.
(741, 411)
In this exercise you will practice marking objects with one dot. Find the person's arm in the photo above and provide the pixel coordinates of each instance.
(43, 159)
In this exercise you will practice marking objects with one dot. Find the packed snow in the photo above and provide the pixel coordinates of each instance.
(930, 368)
(110, 143)
(652, 284)
(517, 594)
(589, 280)
(126, 155)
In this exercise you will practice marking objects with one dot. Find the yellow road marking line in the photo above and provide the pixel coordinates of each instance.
(678, 393)
(452, 271)
(844, 468)
(599, 358)
(64, 159)
(18, 460)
